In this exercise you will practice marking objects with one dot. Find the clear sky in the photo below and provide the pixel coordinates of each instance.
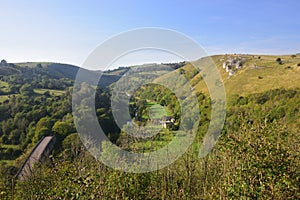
(67, 31)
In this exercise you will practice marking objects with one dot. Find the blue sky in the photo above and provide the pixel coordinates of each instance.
(68, 31)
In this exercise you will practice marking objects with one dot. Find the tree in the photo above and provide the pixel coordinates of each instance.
(3, 63)
(181, 71)
(63, 128)
(26, 89)
(13, 89)
(43, 128)
(279, 61)
(4, 139)
(14, 136)
(47, 94)
(44, 131)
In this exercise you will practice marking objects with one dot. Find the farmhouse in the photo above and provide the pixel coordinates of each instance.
(167, 121)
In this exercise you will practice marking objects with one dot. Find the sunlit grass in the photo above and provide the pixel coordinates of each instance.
(52, 92)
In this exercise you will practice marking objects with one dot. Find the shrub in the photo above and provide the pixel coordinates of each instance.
(3, 63)
(279, 61)
(262, 99)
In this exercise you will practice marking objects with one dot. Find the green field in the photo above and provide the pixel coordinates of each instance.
(4, 86)
(37, 91)
(8, 162)
(9, 146)
(52, 92)
(3, 98)
(32, 64)
(156, 111)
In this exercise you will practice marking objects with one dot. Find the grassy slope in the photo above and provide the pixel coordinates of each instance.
(3, 98)
(37, 91)
(4, 86)
(156, 111)
(239, 164)
(273, 75)
(52, 92)
(246, 81)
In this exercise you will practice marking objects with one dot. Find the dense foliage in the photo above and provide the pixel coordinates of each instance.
(256, 157)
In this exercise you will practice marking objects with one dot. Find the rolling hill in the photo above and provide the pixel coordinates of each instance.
(256, 156)
(257, 73)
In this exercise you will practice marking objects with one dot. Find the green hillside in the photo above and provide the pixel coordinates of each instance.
(256, 156)
(258, 73)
